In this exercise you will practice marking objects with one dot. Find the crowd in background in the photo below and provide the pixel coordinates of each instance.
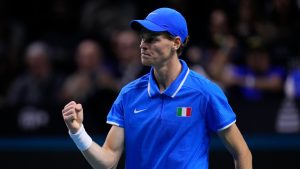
(52, 52)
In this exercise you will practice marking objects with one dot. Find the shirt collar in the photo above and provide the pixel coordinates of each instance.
(174, 87)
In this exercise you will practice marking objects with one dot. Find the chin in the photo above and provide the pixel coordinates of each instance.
(146, 62)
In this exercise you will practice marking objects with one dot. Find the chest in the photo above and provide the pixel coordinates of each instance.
(184, 110)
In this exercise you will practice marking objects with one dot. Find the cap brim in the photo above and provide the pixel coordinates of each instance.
(139, 24)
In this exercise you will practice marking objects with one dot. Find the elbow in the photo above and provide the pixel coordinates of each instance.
(248, 155)
(242, 154)
(244, 157)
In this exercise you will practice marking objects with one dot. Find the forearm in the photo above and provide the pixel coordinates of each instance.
(243, 161)
(237, 146)
(104, 157)
(99, 158)
(272, 84)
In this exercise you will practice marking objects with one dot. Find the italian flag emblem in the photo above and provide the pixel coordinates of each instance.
(184, 111)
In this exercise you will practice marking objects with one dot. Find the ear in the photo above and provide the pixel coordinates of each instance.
(177, 43)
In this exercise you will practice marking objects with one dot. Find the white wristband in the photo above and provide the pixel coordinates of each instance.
(82, 140)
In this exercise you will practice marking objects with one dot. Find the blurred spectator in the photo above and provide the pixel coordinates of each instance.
(288, 118)
(258, 79)
(100, 17)
(217, 64)
(284, 19)
(126, 51)
(91, 84)
(245, 26)
(91, 72)
(33, 96)
(11, 43)
(223, 46)
(221, 34)
(195, 59)
(292, 83)
(60, 29)
(255, 90)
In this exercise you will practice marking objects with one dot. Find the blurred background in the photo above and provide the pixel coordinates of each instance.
(55, 51)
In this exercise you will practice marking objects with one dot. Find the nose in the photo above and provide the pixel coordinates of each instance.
(143, 44)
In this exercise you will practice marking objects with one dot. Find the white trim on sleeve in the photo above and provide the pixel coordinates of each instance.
(228, 125)
(113, 123)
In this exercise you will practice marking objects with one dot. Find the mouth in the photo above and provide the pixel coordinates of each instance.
(145, 55)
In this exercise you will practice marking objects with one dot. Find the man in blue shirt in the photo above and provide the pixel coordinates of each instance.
(163, 119)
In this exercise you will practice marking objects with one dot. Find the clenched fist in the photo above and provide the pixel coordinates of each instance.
(73, 116)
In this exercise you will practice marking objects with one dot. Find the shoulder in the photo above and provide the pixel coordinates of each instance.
(201, 84)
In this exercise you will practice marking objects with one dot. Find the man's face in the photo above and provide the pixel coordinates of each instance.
(156, 48)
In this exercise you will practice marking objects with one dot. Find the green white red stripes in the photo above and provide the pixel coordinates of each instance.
(184, 111)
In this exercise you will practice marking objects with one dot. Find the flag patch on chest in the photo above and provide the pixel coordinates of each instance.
(184, 111)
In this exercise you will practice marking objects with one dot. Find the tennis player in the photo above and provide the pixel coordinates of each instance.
(164, 119)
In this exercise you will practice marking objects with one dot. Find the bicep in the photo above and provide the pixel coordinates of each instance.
(233, 140)
(114, 142)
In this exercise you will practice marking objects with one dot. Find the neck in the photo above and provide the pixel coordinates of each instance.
(166, 73)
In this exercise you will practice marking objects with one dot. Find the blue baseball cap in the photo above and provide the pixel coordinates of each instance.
(163, 19)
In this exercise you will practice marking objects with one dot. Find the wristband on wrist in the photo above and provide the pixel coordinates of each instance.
(82, 140)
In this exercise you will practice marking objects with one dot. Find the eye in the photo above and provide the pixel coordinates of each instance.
(149, 38)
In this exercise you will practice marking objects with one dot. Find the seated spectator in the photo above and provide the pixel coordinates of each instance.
(91, 72)
(255, 91)
(245, 25)
(33, 95)
(91, 84)
(218, 62)
(126, 51)
(195, 60)
(284, 16)
(223, 46)
(220, 32)
(257, 79)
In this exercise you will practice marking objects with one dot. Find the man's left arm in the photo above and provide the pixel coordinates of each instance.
(237, 146)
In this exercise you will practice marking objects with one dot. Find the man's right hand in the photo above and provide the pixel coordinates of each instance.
(73, 116)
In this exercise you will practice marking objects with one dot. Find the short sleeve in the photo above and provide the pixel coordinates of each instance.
(116, 113)
(219, 113)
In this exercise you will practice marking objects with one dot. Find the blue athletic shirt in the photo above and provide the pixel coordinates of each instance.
(170, 129)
